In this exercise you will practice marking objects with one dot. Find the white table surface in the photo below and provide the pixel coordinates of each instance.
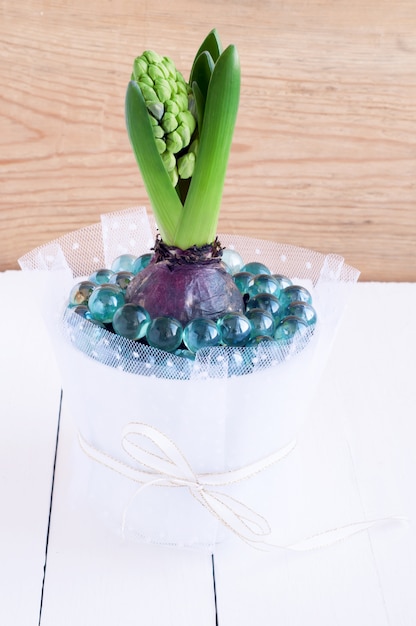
(355, 460)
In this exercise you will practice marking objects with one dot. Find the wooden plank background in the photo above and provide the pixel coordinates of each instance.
(324, 153)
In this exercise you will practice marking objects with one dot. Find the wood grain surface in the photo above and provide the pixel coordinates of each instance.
(324, 153)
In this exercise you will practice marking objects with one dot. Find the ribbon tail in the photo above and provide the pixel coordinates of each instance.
(335, 535)
(234, 515)
(126, 509)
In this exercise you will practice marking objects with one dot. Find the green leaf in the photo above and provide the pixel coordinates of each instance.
(167, 207)
(212, 45)
(199, 220)
(202, 71)
(200, 79)
(199, 100)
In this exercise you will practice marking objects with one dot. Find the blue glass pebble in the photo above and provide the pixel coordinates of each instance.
(201, 333)
(263, 283)
(256, 268)
(83, 311)
(86, 333)
(282, 281)
(290, 326)
(295, 293)
(122, 279)
(164, 333)
(262, 322)
(232, 260)
(242, 280)
(186, 354)
(101, 277)
(141, 262)
(97, 323)
(234, 329)
(104, 302)
(123, 263)
(131, 321)
(303, 310)
(266, 301)
(254, 341)
(81, 292)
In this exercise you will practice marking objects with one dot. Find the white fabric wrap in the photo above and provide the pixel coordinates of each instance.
(218, 422)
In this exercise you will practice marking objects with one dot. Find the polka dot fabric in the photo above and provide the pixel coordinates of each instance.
(82, 252)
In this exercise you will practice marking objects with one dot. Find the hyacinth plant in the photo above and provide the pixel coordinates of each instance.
(181, 134)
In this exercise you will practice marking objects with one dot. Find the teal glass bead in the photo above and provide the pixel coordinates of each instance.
(201, 333)
(232, 260)
(131, 321)
(83, 311)
(186, 354)
(282, 281)
(263, 283)
(262, 322)
(234, 329)
(123, 263)
(265, 301)
(305, 311)
(295, 293)
(85, 333)
(290, 326)
(104, 302)
(255, 341)
(101, 277)
(164, 333)
(256, 268)
(122, 279)
(81, 292)
(141, 262)
(242, 280)
(97, 323)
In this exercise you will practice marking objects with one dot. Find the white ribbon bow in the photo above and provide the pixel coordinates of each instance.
(169, 467)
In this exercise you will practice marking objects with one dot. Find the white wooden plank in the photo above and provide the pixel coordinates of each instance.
(29, 408)
(355, 458)
(379, 419)
(94, 577)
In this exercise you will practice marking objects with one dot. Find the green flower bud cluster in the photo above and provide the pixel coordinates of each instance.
(167, 97)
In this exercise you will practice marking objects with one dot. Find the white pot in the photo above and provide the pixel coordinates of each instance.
(183, 456)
